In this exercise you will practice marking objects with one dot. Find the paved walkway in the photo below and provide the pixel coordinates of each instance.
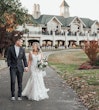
(61, 97)
(2, 64)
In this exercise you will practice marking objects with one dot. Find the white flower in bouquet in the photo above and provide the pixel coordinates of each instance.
(42, 64)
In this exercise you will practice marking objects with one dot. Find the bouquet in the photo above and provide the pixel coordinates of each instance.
(42, 64)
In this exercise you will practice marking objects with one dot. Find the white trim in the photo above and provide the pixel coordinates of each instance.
(79, 19)
(72, 20)
(82, 22)
(56, 19)
(94, 22)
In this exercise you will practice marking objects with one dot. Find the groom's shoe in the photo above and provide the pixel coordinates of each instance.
(13, 98)
(19, 98)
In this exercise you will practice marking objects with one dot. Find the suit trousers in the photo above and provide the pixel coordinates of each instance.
(14, 72)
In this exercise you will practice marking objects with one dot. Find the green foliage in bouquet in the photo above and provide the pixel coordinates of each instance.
(42, 64)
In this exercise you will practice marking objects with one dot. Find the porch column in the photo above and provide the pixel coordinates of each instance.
(53, 38)
(97, 36)
(77, 39)
(41, 41)
(88, 36)
(66, 41)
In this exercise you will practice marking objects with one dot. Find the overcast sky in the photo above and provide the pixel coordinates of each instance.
(80, 8)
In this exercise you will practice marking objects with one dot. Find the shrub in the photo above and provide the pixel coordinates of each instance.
(91, 50)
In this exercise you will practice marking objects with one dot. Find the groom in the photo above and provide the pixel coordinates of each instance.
(17, 62)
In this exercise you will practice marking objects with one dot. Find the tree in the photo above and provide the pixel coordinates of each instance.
(91, 49)
(12, 14)
(14, 10)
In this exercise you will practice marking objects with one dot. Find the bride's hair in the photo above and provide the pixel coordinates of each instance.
(38, 46)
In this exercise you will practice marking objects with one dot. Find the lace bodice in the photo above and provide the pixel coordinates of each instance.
(35, 58)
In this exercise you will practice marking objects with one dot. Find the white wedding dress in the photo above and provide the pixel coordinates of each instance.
(35, 88)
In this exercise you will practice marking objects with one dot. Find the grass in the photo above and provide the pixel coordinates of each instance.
(63, 67)
(70, 61)
(84, 82)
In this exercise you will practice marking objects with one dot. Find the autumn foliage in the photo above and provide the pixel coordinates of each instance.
(91, 49)
(7, 32)
(12, 14)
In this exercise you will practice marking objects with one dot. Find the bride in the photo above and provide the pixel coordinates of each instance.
(35, 88)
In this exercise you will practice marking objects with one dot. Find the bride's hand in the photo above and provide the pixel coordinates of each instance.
(26, 69)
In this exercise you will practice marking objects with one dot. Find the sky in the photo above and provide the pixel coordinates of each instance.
(80, 8)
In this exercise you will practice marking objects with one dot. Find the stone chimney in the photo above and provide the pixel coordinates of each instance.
(36, 11)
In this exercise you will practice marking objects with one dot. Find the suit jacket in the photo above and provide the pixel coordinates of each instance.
(16, 62)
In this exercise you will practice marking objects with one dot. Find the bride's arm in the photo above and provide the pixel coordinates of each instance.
(29, 60)
(42, 55)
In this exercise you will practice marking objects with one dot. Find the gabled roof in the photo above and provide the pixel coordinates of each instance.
(79, 20)
(64, 3)
(57, 20)
(44, 19)
(61, 19)
(30, 20)
(88, 22)
(68, 21)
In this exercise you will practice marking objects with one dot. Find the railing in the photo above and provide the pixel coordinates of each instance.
(61, 37)
(60, 34)
(35, 32)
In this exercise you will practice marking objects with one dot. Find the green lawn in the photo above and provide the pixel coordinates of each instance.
(84, 82)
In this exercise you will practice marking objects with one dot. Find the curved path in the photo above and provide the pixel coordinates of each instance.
(61, 97)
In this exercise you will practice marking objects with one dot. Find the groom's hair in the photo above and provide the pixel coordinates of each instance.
(16, 38)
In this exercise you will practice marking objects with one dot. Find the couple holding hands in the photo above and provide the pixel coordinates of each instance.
(16, 58)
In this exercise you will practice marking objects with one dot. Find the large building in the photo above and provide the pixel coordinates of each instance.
(59, 29)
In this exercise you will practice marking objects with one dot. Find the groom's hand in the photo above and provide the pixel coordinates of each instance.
(26, 69)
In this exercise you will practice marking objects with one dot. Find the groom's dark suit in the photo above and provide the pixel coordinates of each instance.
(16, 64)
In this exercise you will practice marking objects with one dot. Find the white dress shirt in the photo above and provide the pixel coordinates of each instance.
(17, 48)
